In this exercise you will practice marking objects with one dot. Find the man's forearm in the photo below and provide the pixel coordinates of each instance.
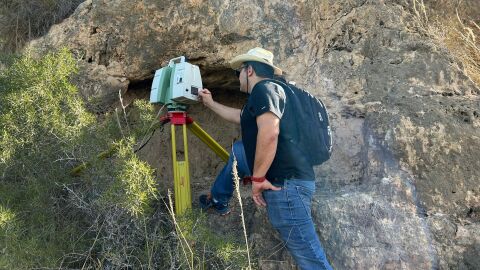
(264, 153)
(228, 113)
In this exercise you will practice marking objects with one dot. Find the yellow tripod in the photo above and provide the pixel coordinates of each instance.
(181, 175)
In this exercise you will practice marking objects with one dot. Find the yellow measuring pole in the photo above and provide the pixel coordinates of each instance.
(181, 175)
(209, 141)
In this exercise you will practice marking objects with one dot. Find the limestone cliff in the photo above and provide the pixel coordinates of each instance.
(402, 188)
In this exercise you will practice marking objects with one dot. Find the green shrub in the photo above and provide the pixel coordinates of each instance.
(111, 215)
(41, 118)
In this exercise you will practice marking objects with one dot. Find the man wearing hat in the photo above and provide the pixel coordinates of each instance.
(282, 177)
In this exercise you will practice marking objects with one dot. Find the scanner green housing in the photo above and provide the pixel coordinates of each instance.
(176, 85)
(161, 81)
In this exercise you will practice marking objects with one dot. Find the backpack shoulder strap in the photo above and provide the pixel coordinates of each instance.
(283, 84)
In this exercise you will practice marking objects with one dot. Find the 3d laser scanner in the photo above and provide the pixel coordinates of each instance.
(176, 85)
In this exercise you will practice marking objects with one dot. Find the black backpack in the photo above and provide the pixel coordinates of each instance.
(315, 135)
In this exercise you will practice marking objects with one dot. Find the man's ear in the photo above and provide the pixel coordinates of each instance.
(250, 71)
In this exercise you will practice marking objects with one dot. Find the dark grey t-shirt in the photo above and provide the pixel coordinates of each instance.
(289, 161)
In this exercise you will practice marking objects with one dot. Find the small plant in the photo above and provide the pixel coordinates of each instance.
(134, 186)
(6, 217)
(204, 249)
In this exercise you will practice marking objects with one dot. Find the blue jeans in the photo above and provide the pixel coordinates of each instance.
(288, 211)
(222, 189)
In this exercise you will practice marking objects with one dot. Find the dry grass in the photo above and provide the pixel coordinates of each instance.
(181, 237)
(236, 180)
(24, 20)
(456, 25)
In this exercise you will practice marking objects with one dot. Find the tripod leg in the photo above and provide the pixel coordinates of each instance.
(209, 141)
(187, 197)
(181, 177)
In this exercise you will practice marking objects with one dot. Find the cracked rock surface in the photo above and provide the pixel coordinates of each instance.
(402, 190)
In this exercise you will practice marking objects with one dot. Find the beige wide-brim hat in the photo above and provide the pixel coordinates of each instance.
(258, 55)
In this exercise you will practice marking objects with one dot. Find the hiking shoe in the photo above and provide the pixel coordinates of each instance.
(207, 202)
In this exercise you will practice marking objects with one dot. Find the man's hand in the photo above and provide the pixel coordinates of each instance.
(206, 97)
(228, 113)
(258, 187)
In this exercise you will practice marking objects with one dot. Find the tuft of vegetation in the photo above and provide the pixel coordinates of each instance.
(133, 186)
(22, 21)
(456, 25)
(207, 250)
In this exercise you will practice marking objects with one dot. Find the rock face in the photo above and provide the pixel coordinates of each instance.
(402, 190)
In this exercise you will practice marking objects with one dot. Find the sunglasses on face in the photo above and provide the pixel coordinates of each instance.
(238, 71)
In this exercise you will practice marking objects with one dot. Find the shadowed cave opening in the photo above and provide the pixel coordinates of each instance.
(221, 81)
